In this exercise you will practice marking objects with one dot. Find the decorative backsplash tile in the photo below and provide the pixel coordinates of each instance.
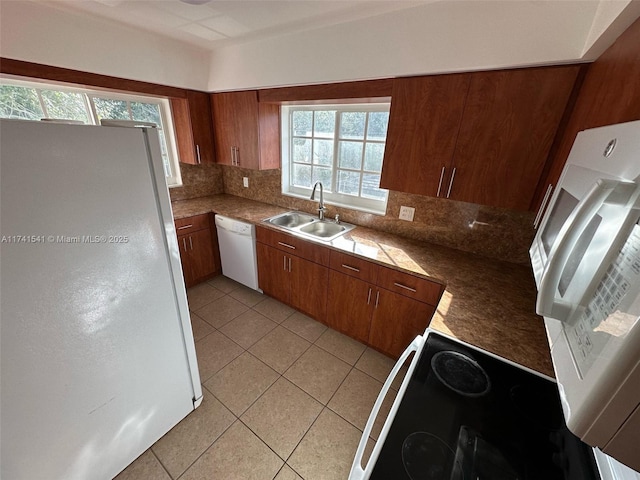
(198, 181)
(488, 231)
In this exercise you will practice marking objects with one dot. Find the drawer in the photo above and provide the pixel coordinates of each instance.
(410, 286)
(293, 245)
(353, 266)
(192, 224)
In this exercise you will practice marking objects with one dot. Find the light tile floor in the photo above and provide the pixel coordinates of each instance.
(285, 397)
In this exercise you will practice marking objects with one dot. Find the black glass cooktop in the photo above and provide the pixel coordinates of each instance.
(469, 416)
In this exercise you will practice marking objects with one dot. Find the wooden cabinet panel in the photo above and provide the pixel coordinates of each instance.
(246, 132)
(200, 114)
(198, 246)
(396, 322)
(194, 131)
(309, 287)
(349, 305)
(273, 272)
(509, 122)
(293, 245)
(354, 266)
(410, 285)
(424, 120)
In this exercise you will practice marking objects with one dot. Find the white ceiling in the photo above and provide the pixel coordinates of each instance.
(218, 23)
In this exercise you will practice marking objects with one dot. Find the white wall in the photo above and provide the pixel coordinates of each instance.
(42, 34)
(611, 19)
(443, 36)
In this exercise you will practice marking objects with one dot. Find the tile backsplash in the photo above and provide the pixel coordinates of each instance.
(488, 231)
(198, 181)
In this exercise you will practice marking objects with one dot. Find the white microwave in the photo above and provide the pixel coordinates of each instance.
(586, 262)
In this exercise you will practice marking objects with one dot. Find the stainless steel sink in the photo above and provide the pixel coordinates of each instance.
(310, 226)
(291, 219)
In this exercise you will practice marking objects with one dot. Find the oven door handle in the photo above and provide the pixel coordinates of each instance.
(357, 472)
(603, 191)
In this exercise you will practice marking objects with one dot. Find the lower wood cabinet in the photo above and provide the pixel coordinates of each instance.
(199, 251)
(349, 305)
(285, 275)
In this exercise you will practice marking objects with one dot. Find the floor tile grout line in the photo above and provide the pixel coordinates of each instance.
(158, 459)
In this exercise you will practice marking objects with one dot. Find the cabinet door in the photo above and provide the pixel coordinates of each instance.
(423, 125)
(349, 305)
(509, 123)
(309, 287)
(235, 122)
(396, 321)
(200, 114)
(187, 272)
(201, 255)
(273, 272)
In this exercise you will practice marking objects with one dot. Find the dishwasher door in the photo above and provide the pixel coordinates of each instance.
(237, 242)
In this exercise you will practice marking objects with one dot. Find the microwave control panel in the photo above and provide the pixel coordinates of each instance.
(610, 312)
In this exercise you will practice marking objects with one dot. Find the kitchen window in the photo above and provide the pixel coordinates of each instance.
(341, 146)
(34, 101)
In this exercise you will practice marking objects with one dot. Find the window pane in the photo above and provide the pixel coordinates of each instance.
(19, 102)
(323, 152)
(108, 108)
(349, 182)
(302, 123)
(373, 155)
(371, 186)
(163, 142)
(322, 175)
(352, 124)
(301, 176)
(301, 150)
(146, 112)
(350, 155)
(377, 128)
(69, 106)
(325, 123)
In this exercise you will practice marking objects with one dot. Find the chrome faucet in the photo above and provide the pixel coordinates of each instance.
(321, 207)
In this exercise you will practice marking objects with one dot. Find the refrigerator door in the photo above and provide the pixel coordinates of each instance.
(97, 354)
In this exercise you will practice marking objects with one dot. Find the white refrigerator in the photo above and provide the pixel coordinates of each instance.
(97, 353)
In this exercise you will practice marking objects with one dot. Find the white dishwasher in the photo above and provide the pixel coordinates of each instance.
(237, 242)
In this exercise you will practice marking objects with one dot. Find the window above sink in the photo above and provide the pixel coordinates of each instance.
(341, 146)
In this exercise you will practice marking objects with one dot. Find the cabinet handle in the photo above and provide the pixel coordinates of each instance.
(405, 287)
(287, 245)
(369, 296)
(237, 157)
(440, 182)
(184, 243)
(233, 157)
(190, 243)
(289, 264)
(349, 267)
(542, 206)
(377, 298)
(198, 154)
(284, 263)
(186, 226)
(453, 175)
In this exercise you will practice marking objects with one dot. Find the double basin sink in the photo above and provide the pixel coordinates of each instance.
(310, 226)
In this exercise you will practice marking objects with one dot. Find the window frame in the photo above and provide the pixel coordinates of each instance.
(88, 95)
(353, 202)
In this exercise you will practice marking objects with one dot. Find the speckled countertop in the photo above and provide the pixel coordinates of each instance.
(487, 303)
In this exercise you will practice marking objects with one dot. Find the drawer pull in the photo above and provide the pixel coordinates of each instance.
(349, 267)
(287, 245)
(186, 226)
(405, 287)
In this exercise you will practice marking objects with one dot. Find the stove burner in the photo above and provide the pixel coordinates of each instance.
(426, 457)
(460, 373)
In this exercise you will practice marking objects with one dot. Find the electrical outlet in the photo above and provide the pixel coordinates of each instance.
(245, 182)
(406, 213)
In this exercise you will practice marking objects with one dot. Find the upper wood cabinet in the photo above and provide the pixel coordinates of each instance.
(194, 131)
(247, 132)
(423, 126)
(481, 137)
